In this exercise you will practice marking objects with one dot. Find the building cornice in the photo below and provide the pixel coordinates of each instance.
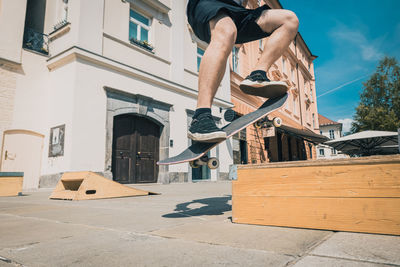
(135, 47)
(157, 5)
(76, 53)
(304, 44)
(289, 53)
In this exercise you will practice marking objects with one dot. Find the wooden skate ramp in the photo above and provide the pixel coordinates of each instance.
(357, 195)
(89, 185)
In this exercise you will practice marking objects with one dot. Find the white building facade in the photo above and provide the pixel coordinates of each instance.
(332, 130)
(105, 86)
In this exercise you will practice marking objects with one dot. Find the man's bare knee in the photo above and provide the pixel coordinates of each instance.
(223, 33)
(272, 19)
(291, 20)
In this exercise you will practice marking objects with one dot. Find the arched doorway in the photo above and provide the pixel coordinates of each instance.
(135, 152)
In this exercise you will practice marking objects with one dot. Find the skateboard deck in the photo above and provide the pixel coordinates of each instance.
(199, 149)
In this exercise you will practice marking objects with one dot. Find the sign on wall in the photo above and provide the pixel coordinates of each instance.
(56, 146)
(268, 132)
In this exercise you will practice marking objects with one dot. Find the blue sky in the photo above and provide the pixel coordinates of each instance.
(349, 38)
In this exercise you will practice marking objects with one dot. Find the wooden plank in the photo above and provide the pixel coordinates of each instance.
(369, 215)
(10, 186)
(362, 195)
(373, 180)
(393, 159)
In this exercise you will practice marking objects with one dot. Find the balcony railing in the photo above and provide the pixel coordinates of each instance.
(60, 24)
(36, 41)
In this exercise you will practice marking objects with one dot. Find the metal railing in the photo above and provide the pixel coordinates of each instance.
(60, 24)
(36, 41)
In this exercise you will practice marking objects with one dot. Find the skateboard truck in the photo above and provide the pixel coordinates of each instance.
(266, 122)
(212, 163)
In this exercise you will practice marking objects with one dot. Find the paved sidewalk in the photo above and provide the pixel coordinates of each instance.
(187, 225)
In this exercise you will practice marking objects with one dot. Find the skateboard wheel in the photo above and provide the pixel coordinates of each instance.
(258, 124)
(194, 165)
(213, 163)
(277, 122)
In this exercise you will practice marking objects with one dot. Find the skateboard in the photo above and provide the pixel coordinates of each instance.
(196, 154)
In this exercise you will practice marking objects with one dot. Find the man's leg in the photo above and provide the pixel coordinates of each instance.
(283, 25)
(212, 70)
(213, 62)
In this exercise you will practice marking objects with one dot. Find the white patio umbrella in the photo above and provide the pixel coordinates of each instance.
(367, 143)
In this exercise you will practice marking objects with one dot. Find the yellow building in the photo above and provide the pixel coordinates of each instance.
(297, 137)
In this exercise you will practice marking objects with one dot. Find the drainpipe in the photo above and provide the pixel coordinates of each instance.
(300, 95)
(298, 80)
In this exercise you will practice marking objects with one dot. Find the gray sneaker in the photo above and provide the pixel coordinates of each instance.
(204, 129)
(259, 85)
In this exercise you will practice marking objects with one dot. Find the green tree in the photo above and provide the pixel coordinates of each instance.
(379, 107)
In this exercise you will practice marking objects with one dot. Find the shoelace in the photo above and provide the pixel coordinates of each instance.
(257, 77)
(210, 125)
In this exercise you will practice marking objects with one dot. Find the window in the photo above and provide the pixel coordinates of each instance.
(292, 74)
(295, 105)
(62, 10)
(235, 59)
(322, 152)
(260, 44)
(333, 151)
(332, 134)
(200, 54)
(313, 120)
(139, 27)
(287, 104)
(283, 65)
(61, 14)
(311, 95)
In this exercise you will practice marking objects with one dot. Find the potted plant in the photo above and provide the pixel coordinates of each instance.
(144, 44)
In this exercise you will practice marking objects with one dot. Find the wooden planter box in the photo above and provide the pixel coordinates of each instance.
(11, 183)
(358, 194)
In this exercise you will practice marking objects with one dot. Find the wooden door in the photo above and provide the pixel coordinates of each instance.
(147, 153)
(135, 150)
(122, 160)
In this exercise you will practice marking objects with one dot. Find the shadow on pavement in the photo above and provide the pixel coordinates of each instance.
(200, 207)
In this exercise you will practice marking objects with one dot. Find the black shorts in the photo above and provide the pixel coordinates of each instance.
(200, 12)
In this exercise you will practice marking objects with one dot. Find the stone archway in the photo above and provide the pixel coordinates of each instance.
(136, 147)
(120, 103)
